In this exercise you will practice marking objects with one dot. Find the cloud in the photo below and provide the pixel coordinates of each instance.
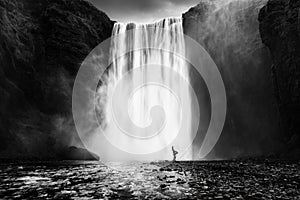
(143, 10)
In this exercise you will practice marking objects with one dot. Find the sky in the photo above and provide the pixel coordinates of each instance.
(143, 11)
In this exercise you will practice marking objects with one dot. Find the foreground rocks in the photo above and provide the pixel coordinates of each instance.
(247, 179)
(240, 179)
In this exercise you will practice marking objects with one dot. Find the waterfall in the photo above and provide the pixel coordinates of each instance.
(147, 132)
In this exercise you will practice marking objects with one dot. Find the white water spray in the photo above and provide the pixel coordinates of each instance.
(157, 131)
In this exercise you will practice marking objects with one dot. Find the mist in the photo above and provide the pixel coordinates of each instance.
(229, 31)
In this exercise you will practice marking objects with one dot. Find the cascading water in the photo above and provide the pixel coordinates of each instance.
(172, 94)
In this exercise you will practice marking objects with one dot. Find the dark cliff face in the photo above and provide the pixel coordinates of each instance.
(230, 34)
(280, 31)
(42, 44)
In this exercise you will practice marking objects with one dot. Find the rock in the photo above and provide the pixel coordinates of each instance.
(280, 31)
(42, 44)
(230, 34)
(75, 153)
(163, 186)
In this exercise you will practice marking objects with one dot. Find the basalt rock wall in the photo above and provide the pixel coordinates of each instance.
(229, 32)
(280, 31)
(42, 44)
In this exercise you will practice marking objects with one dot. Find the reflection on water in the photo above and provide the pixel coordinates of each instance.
(180, 180)
(89, 179)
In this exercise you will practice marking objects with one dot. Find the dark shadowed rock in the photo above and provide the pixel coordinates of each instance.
(42, 44)
(280, 31)
(76, 153)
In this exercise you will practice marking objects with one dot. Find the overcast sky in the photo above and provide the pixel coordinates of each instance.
(143, 10)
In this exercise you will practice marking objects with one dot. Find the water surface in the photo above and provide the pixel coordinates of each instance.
(138, 180)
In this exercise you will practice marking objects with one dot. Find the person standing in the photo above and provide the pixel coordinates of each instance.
(174, 153)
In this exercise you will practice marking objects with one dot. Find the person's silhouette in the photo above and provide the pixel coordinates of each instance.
(174, 153)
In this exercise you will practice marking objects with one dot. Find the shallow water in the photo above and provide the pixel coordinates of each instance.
(137, 180)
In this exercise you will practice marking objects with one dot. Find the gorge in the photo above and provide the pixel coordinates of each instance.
(44, 42)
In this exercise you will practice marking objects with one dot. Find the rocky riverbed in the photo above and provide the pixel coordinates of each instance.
(247, 179)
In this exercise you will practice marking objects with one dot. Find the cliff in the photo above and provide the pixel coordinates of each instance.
(43, 43)
(230, 34)
(280, 31)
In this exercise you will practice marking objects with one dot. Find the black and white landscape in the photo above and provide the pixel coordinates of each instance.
(256, 47)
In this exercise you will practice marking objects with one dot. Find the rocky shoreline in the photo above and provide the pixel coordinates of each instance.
(233, 179)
